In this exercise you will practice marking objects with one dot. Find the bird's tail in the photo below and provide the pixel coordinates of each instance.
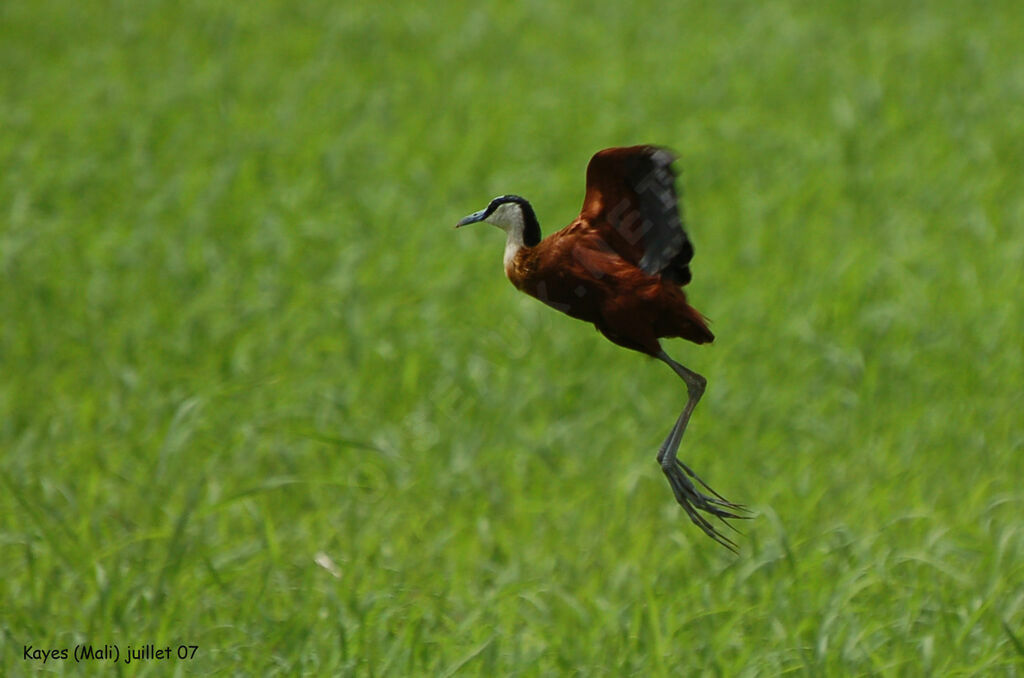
(697, 328)
(690, 325)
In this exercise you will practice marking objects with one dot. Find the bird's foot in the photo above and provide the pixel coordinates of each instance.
(693, 501)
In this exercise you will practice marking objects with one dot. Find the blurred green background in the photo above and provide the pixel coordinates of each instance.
(256, 395)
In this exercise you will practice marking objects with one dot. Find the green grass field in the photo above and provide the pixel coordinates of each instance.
(258, 396)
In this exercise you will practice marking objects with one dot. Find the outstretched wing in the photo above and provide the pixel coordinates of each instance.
(631, 202)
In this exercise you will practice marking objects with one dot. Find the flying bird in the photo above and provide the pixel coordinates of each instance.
(621, 265)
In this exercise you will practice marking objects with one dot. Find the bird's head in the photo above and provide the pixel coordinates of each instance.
(510, 213)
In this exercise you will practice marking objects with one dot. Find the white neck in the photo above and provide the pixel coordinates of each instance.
(509, 218)
(513, 244)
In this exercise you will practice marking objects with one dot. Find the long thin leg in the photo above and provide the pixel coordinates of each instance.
(689, 497)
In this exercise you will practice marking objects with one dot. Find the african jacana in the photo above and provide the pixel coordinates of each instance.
(621, 265)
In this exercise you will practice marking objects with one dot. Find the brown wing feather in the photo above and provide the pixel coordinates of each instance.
(631, 202)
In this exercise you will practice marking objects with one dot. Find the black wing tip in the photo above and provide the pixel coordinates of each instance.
(662, 155)
(679, 268)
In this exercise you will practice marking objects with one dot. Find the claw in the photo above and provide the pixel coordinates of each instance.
(693, 500)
